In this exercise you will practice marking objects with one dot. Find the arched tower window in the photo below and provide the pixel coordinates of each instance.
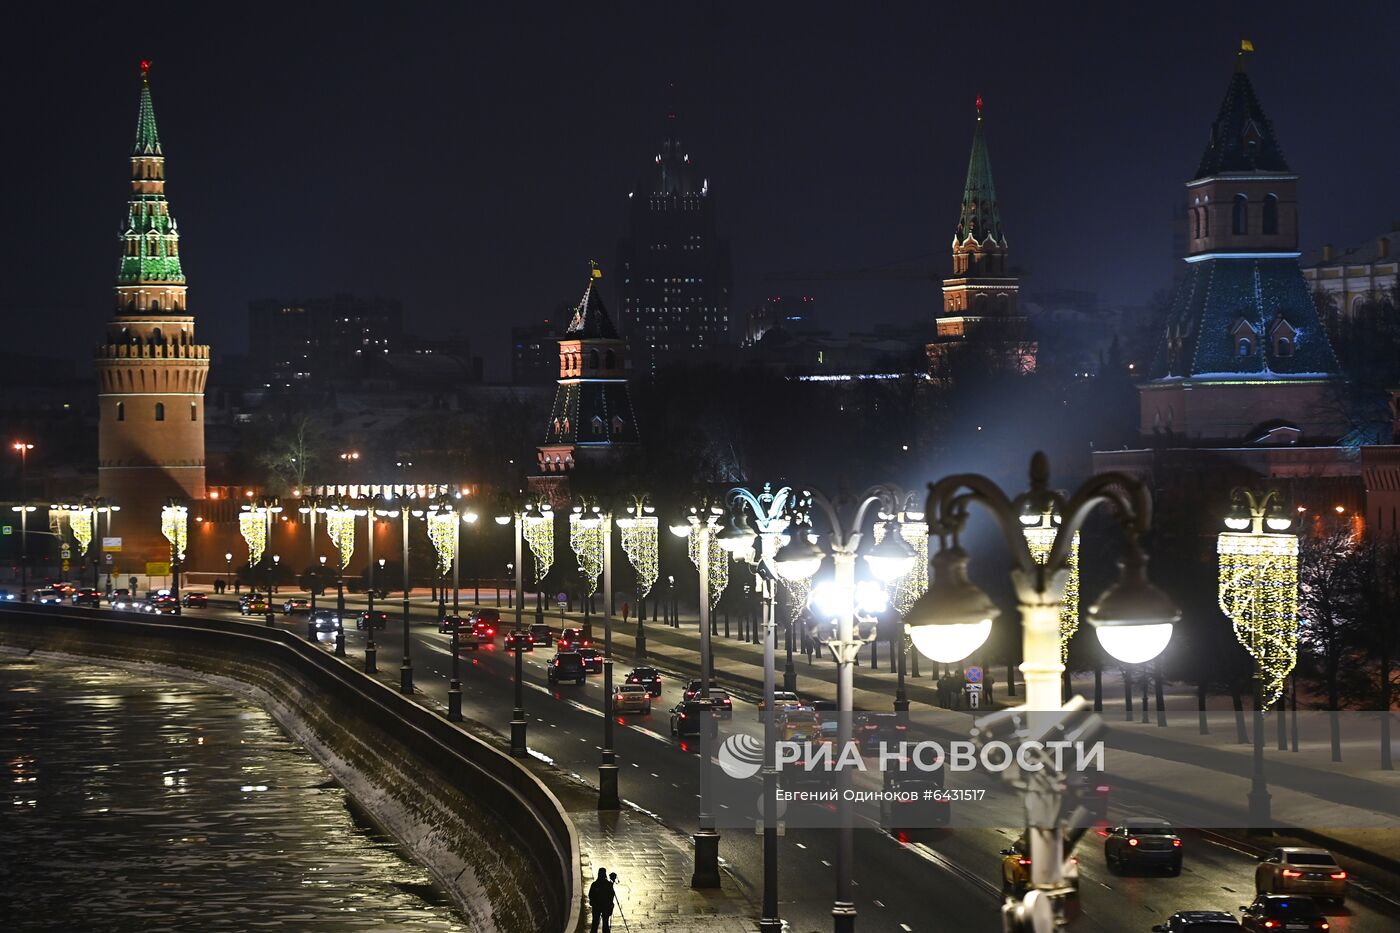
(1243, 346)
(1283, 347)
(160, 411)
(611, 360)
(121, 411)
(1196, 222)
(194, 412)
(1271, 215)
(155, 304)
(592, 359)
(1239, 217)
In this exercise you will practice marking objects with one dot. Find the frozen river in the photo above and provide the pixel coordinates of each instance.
(139, 803)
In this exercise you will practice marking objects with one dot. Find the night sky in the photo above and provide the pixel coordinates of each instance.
(469, 158)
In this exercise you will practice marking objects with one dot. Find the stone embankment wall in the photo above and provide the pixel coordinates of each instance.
(490, 832)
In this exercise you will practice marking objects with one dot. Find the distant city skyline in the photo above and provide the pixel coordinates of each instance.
(470, 164)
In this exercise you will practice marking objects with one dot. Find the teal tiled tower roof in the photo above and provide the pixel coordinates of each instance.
(980, 218)
(147, 138)
(1241, 138)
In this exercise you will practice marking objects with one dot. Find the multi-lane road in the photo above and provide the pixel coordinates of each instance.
(937, 881)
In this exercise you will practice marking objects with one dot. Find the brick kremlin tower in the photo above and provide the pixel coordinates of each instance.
(1244, 357)
(591, 426)
(150, 372)
(980, 299)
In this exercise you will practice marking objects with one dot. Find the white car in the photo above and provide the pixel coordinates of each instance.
(631, 698)
(48, 597)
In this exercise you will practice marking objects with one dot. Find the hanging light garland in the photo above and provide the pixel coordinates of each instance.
(1039, 540)
(174, 524)
(586, 538)
(253, 527)
(442, 532)
(1259, 593)
(81, 520)
(539, 534)
(719, 563)
(640, 544)
(340, 527)
(913, 584)
(798, 591)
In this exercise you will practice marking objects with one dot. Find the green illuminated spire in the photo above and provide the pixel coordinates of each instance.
(150, 237)
(147, 138)
(980, 219)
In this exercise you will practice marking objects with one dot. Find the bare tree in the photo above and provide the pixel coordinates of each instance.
(1329, 609)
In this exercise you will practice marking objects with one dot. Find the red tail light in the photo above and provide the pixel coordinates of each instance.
(1269, 924)
(1132, 842)
(1325, 926)
(1290, 873)
(1176, 843)
(1023, 861)
(1338, 876)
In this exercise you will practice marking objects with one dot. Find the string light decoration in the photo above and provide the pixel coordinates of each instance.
(253, 527)
(1259, 594)
(913, 584)
(539, 534)
(640, 542)
(442, 532)
(798, 591)
(80, 521)
(586, 538)
(1040, 538)
(719, 563)
(174, 524)
(340, 527)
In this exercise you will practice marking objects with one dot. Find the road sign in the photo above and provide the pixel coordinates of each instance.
(562, 598)
(107, 558)
(65, 552)
(111, 544)
(66, 567)
(974, 674)
(8, 529)
(157, 568)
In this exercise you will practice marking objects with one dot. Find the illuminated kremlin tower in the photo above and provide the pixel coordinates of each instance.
(1244, 358)
(591, 427)
(150, 372)
(980, 298)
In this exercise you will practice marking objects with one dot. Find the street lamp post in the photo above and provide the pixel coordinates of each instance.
(518, 723)
(271, 585)
(23, 511)
(702, 521)
(740, 540)
(23, 448)
(174, 522)
(228, 569)
(371, 649)
(402, 513)
(800, 558)
(1259, 594)
(1133, 619)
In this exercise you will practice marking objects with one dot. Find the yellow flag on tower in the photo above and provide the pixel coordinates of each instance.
(1246, 45)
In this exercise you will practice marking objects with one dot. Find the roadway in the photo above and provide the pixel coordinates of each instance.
(935, 881)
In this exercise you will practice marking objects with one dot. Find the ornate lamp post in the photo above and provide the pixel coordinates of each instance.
(639, 543)
(228, 568)
(23, 511)
(255, 525)
(519, 725)
(700, 525)
(800, 558)
(1259, 594)
(402, 512)
(1133, 619)
(174, 524)
(741, 541)
(445, 522)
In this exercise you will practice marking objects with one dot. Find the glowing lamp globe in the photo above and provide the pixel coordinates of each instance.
(799, 559)
(737, 537)
(1133, 619)
(892, 558)
(502, 519)
(954, 617)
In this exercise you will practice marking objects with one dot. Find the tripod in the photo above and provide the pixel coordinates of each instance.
(618, 901)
